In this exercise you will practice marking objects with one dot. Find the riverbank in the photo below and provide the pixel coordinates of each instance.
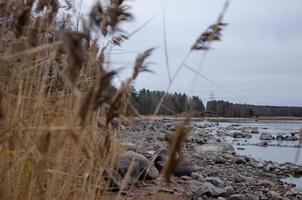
(173, 117)
(213, 167)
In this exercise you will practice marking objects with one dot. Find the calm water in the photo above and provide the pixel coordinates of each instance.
(273, 153)
(284, 152)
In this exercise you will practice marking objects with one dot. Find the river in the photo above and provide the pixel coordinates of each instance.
(277, 151)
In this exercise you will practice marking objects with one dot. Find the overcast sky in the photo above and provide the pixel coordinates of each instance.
(258, 60)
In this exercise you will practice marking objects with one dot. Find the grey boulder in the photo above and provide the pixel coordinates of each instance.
(215, 181)
(142, 167)
(199, 189)
(266, 136)
(215, 148)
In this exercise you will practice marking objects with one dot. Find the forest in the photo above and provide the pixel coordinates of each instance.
(222, 108)
(145, 101)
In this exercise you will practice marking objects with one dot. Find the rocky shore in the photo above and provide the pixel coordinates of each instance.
(211, 169)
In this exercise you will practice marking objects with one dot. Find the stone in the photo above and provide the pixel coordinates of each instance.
(287, 138)
(236, 197)
(166, 190)
(274, 195)
(199, 189)
(254, 130)
(238, 178)
(266, 183)
(152, 128)
(263, 144)
(229, 190)
(295, 171)
(242, 135)
(198, 140)
(266, 136)
(197, 176)
(143, 168)
(220, 160)
(215, 148)
(239, 161)
(129, 146)
(215, 181)
(291, 138)
(184, 168)
(221, 133)
(185, 178)
(161, 136)
(251, 197)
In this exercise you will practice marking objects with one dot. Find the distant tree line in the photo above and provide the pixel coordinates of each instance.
(226, 109)
(146, 101)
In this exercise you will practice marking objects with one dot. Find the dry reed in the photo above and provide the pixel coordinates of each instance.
(57, 100)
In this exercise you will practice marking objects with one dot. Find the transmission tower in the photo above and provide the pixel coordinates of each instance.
(212, 96)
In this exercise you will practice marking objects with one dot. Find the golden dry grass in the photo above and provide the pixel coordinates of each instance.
(57, 101)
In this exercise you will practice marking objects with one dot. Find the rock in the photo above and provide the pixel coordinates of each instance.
(152, 128)
(287, 138)
(295, 171)
(240, 160)
(238, 178)
(212, 140)
(242, 135)
(198, 189)
(184, 168)
(254, 130)
(229, 190)
(220, 160)
(198, 140)
(266, 183)
(274, 195)
(251, 197)
(215, 181)
(221, 133)
(166, 190)
(279, 137)
(197, 176)
(137, 120)
(141, 163)
(161, 136)
(291, 138)
(186, 178)
(263, 144)
(215, 148)
(266, 136)
(129, 146)
(236, 197)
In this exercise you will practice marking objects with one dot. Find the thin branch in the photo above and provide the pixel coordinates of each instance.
(142, 26)
(202, 76)
(165, 41)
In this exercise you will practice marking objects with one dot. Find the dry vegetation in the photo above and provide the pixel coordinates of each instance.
(57, 139)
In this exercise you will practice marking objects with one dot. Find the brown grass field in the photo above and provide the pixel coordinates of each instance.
(57, 103)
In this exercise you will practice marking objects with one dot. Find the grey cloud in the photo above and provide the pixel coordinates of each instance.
(258, 61)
